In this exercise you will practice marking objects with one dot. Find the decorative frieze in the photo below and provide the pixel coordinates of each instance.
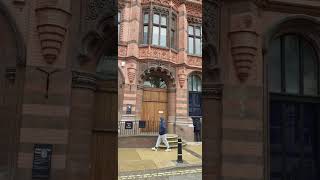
(158, 53)
(194, 9)
(194, 61)
(84, 80)
(194, 20)
(52, 28)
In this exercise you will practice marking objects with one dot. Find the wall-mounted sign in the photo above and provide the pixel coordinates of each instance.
(128, 125)
(129, 109)
(142, 124)
(41, 161)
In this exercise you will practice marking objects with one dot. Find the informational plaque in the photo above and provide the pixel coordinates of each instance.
(41, 161)
(128, 125)
(142, 124)
(129, 109)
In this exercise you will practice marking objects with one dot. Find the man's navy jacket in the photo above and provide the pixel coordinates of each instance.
(163, 128)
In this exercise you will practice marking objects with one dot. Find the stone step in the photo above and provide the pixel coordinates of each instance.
(173, 141)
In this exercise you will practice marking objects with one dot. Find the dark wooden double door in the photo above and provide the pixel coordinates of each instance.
(294, 140)
(195, 104)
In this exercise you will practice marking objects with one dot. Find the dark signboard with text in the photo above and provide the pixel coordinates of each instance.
(128, 125)
(41, 161)
(142, 124)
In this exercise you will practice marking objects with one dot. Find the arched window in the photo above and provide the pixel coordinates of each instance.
(155, 82)
(293, 66)
(293, 109)
(194, 83)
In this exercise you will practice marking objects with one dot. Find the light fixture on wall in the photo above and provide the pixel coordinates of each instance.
(123, 63)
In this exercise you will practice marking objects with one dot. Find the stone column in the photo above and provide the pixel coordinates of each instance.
(211, 132)
(184, 125)
(182, 33)
(81, 119)
(171, 110)
(134, 29)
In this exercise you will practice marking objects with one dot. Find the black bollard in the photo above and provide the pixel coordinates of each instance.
(179, 160)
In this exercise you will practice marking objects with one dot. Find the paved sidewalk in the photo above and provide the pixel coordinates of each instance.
(143, 160)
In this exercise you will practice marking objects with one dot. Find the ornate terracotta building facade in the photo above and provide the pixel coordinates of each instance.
(58, 84)
(261, 89)
(160, 61)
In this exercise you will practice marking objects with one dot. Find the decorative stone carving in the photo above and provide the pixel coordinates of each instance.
(52, 28)
(157, 53)
(194, 61)
(182, 77)
(84, 80)
(194, 9)
(195, 20)
(122, 51)
(131, 70)
(166, 72)
(244, 39)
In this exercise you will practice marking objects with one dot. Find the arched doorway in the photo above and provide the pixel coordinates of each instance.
(294, 109)
(156, 82)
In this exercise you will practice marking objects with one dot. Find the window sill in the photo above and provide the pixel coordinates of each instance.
(158, 47)
(195, 55)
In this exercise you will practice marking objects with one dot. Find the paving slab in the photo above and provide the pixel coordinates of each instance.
(144, 159)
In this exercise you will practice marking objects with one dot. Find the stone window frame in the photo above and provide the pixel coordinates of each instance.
(194, 36)
(171, 13)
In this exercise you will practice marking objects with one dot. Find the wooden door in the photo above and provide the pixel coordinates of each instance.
(154, 100)
(104, 136)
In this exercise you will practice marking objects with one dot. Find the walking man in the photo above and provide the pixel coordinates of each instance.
(162, 134)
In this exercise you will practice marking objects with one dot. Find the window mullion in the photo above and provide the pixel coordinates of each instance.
(301, 68)
(150, 26)
(283, 68)
(194, 39)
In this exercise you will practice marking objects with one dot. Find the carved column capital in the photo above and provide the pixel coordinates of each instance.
(84, 80)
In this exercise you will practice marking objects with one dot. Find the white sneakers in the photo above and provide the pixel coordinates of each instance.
(156, 149)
